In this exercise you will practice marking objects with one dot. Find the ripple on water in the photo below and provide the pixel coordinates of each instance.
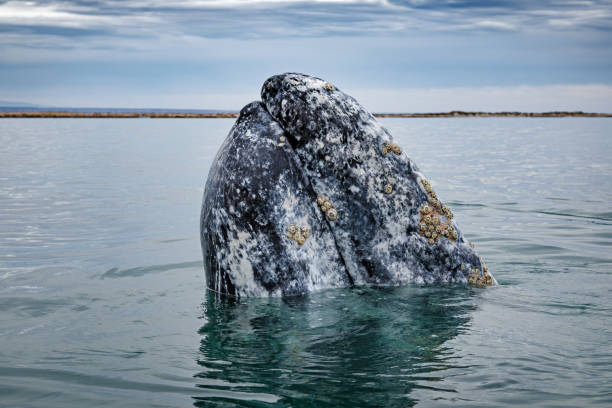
(102, 298)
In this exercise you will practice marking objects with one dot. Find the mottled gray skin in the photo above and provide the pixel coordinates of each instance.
(255, 190)
(258, 186)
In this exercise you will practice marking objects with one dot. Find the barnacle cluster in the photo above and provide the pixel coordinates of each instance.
(388, 188)
(388, 147)
(480, 279)
(298, 234)
(327, 207)
(435, 220)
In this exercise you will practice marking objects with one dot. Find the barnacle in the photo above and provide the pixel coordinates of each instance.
(388, 188)
(386, 147)
(282, 139)
(431, 241)
(298, 234)
(435, 218)
(329, 86)
(332, 214)
(478, 278)
(327, 207)
(396, 149)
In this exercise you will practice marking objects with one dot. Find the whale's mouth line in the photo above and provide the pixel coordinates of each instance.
(294, 143)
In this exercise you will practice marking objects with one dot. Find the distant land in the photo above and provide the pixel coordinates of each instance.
(15, 110)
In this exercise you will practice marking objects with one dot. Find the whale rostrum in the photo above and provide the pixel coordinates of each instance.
(309, 191)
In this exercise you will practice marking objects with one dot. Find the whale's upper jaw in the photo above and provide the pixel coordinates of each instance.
(379, 194)
(372, 216)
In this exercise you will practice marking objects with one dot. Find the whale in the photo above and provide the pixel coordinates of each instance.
(309, 192)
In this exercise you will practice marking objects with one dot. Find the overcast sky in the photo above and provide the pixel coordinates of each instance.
(393, 55)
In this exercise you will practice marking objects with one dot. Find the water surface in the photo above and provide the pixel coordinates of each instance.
(102, 297)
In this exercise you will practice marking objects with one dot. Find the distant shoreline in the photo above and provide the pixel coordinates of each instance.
(154, 115)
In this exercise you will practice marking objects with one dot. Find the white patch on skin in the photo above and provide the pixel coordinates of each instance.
(242, 269)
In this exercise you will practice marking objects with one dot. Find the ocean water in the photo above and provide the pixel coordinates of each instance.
(103, 303)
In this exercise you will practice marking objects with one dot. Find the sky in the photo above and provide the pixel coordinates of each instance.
(392, 55)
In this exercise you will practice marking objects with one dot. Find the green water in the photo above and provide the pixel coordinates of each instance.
(102, 297)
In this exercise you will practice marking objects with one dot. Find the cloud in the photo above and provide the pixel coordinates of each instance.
(69, 49)
(266, 18)
(82, 26)
(17, 13)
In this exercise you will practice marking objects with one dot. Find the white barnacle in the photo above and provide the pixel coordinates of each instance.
(332, 214)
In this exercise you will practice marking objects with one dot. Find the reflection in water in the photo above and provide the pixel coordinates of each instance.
(364, 347)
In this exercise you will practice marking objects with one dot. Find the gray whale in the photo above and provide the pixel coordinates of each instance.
(309, 191)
